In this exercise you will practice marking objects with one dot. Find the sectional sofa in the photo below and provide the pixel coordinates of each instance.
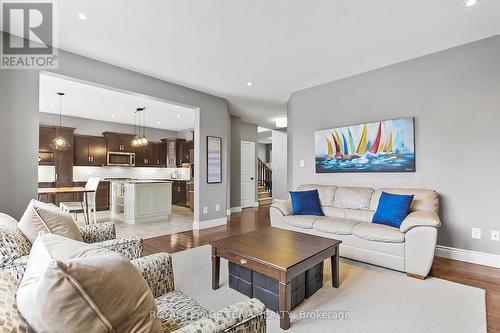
(348, 214)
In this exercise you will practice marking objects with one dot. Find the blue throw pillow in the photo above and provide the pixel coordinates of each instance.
(392, 209)
(306, 203)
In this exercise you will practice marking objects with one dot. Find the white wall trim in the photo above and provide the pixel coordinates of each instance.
(237, 209)
(255, 204)
(209, 223)
(474, 257)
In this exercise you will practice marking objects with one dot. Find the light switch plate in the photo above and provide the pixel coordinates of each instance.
(495, 235)
(217, 207)
(476, 233)
(302, 163)
(205, 210)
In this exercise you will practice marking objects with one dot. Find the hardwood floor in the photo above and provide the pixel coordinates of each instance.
(479, 276)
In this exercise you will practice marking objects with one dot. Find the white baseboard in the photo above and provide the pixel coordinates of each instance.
(209, 223)
(474, 257)
(236, 209)
(255, 204)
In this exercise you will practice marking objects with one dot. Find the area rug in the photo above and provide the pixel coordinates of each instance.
(369, 299)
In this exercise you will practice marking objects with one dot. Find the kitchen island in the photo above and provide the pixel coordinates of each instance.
(140, 201)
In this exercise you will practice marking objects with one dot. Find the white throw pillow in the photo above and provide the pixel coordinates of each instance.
(40, 216)
(70, 286)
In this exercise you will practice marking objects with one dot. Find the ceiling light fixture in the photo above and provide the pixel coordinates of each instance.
(60, 142)
(249, 84)
(82, 16)
(113, 115)
(471, 3)
(178, 116)
(281, 122)
(158, 122)
(140, 135)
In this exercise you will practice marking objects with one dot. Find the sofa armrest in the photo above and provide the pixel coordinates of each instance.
(420, 219)
(284, 206)
(17, 267)
(92, 233)
(248, 316)
(130, 247)
(157, 271)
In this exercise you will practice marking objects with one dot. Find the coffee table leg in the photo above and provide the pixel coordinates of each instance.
(335, 268)
(215, 269)
(285, 295)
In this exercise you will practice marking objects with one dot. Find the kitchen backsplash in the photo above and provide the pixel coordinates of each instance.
(81, 173)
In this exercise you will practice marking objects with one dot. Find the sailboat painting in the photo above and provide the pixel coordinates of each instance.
(383, 146)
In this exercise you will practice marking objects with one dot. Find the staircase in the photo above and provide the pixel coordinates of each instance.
(264, 185)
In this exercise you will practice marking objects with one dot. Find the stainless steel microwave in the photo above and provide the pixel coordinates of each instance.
(118, 158)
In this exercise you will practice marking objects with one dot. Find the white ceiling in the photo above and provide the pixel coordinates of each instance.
(280, 46)
(92, 102)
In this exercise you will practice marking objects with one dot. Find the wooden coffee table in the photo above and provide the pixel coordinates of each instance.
(277, 253)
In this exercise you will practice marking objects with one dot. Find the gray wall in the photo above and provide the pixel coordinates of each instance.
(454, 96)
(240, 131)
(235, 162)
(97, 127)
(261, 152)
(19, 107)
(19, 135)
(279, 164)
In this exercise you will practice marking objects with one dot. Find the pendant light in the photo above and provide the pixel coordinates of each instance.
(140, 131)
(60, 142)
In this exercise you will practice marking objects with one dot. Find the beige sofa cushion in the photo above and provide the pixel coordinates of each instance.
(42, 217)
(326, 192)
(334, 225)
(353, 197)
(70, 286)
(426, 200)
(378, 233)
(301, 221)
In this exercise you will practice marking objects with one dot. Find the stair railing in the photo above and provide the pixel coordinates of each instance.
(265, 176)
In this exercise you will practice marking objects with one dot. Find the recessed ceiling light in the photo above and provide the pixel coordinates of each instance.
(471, 3)
(249, 84)
(112, 115)
(178, 116)
(52, 105)
(281, 122)
(158, 122)
(82, 16)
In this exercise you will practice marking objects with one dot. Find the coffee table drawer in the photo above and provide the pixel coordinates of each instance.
(248, 263)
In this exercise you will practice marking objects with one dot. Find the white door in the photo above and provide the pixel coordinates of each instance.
(248, 174)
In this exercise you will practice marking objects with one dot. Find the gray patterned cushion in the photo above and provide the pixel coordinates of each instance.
(157, 270)
(99, 232)
(176, 309)
(13, 244)
(10, 318)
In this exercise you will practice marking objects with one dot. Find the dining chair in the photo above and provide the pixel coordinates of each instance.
(89, 200)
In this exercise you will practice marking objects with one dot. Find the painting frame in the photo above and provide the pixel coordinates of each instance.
(385, 146)
(214, 159)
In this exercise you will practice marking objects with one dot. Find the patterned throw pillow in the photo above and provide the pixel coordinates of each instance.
(13, 244)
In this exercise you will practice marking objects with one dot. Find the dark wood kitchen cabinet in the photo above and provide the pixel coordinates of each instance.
(89, 150)
(152, 155)
(177, 152)
(119, 142)
(45, 151)
(63, 161)
(180, 193)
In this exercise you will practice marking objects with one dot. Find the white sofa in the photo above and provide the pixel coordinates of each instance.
(348, 214)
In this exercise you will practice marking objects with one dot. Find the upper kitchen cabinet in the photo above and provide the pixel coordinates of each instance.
(152, 155)
(119, 142)
(45, 152)
(89, 150)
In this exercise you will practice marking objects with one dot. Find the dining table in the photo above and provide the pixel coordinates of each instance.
(53, 191)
